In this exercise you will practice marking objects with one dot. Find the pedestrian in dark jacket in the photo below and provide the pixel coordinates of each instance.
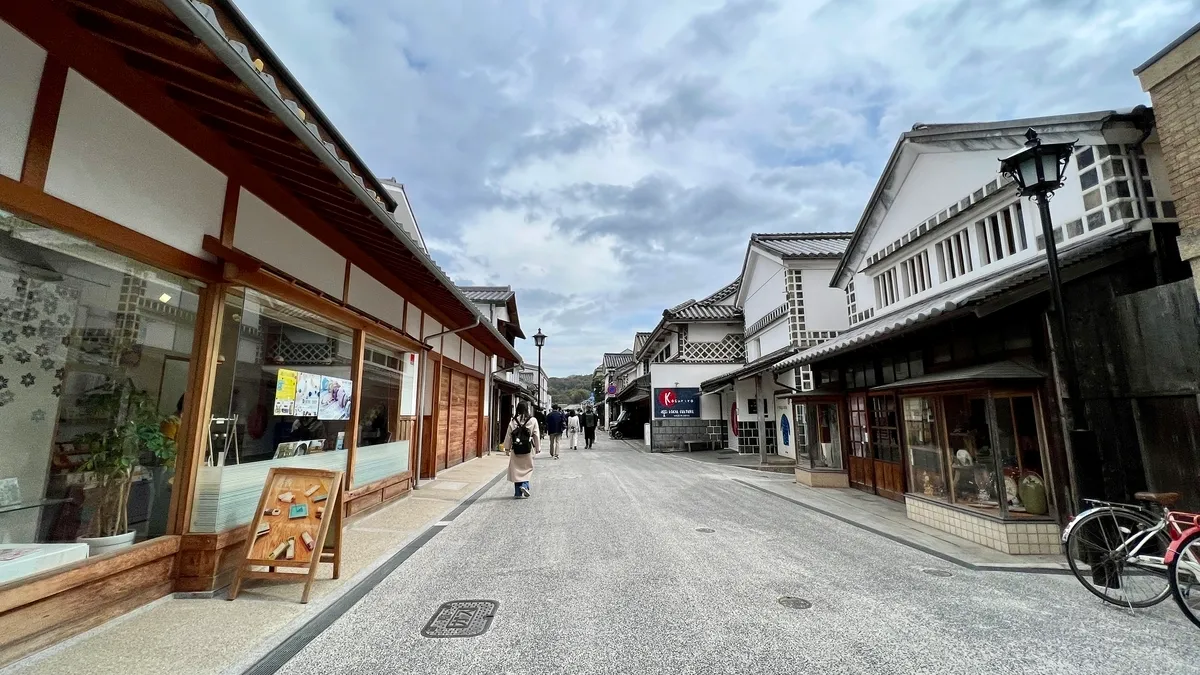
(556, 423)
(590, 420)
(540, 416)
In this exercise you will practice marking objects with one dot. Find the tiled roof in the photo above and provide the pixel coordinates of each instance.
(617, 360)
(490, 294)
(943, 304)
(804, 244)
(755, 367)
(724, 293)
(699, 311)
(639, 341)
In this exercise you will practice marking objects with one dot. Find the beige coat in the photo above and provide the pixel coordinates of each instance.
(520, 467)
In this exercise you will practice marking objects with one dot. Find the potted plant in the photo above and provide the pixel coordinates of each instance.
(133, 431)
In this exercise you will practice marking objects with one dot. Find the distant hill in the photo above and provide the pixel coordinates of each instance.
(571, 389)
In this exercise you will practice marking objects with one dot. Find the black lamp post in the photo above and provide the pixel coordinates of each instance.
(539, 339)
(1038, 170)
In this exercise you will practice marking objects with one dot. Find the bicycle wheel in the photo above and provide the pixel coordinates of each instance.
(1097, 554)
(1184, 576)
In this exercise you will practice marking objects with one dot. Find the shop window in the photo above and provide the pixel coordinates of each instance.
(94, 351)
(927, 473)
(858, 426)
(1020, 455)
(885, 430)
(387, 420)
(822, 447)
(973, 480)
(281, 397)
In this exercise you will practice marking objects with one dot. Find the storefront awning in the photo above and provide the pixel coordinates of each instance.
(999, 371)
(759, 365)
(1022, 281)
(508, 387)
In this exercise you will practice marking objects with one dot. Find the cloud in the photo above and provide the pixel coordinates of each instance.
(610, 159)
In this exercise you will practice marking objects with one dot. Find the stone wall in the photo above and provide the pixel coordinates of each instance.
(748, 436)
(668, 435)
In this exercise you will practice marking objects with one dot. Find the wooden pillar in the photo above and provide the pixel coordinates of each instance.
(44, 124)
(356, 376)
(192, 438)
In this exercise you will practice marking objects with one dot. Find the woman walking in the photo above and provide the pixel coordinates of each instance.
(573, 430)
(522, 442)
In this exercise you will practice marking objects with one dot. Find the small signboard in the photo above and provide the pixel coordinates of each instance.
(676, 402)
(291, 528)
(612, 389)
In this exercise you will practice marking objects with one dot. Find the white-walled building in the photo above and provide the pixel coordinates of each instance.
(788, 305)
(694, 341)
(498, 305)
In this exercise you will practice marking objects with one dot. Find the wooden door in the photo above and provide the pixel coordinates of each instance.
(862, 468)
(443, 418)
(886, 454)
(455, 448)
(474, 415)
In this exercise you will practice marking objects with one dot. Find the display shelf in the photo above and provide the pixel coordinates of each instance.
(31, 505)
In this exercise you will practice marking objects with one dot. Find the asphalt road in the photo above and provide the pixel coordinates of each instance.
(603, 571)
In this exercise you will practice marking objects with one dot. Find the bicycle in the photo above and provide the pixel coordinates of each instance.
(1131, 556)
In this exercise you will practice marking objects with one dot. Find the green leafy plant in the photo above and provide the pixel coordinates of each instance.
(133, 436)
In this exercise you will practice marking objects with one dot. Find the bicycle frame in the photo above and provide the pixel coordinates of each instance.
(1135, 542)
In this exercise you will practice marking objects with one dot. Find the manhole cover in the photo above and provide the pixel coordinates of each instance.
(938, 573)
(705, 530)
(795, 603)
(461, 618)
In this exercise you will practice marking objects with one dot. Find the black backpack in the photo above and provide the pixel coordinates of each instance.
(522, 441)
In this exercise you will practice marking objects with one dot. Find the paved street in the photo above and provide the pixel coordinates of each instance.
(603, 571)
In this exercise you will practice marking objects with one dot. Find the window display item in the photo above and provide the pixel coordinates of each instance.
(287, 497)
(10, 492)
(307, 539)
(298, 511)
(1033, 494)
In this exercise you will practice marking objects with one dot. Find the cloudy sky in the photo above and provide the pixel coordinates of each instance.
(609, 158)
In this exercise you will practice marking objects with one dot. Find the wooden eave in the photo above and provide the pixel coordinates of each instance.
(143, 55)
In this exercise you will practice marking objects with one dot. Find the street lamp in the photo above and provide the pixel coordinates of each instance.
(1038, 171)
(539, 339)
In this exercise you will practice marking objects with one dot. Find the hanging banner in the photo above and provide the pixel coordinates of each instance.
(677, 402)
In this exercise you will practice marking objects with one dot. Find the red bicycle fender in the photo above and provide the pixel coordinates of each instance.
(1174, 548)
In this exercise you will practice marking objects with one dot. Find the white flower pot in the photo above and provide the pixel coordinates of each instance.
(101, 545)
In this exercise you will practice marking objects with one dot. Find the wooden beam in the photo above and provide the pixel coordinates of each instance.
(38, 207)
(233, 193)
(356, 376)
(45, 123)
(346, 284)
(103, 64)
(192, 439)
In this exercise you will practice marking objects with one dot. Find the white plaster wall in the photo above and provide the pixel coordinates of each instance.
(482, 362)
(500, 312)
(937, 180)
(774, 338)
(1158, 171)
(452, 347)
(711, 332)
(711, 408)
(765, 291)
(468, 355)
(115, 164)
(686, 374)
(432, 327)
(372, 297)
(412, 324)
(824, 307)
(266, 234)
(20, 76)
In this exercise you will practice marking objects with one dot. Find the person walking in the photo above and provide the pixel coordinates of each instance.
(556, 423)
(573, 430)
(540, 416)
(522, 441)
(590, 421)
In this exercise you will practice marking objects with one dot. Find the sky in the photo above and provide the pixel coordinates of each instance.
(609, 159)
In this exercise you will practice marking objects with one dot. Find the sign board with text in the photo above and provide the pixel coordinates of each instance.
(676, 402)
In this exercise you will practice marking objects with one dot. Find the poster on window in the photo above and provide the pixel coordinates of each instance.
(308, 395)
(285, 392)
(334, 399)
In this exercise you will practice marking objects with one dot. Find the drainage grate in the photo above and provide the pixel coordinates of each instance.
(461, 618)
(795, 603)
(705, 530)
(938, 573)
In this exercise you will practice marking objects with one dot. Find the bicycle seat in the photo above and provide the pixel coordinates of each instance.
(1167, 499)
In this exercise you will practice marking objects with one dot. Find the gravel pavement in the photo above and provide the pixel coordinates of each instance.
(603, 571)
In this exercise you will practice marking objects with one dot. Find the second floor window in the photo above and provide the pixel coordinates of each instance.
(954, 256)
(914, 274)
(887, 288)
(1001, 235)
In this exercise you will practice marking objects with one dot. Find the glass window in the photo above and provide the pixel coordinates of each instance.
(973, 479)
(927, 473)
(822, 448)
(281, 397)
(385, 424)
(885, 430)
(94, 351)
(1020, 456)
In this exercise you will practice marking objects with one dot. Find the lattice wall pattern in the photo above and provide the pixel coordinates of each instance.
(729, 349)
(795, 301)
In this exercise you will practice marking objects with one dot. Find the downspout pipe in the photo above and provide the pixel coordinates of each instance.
(421, 419)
